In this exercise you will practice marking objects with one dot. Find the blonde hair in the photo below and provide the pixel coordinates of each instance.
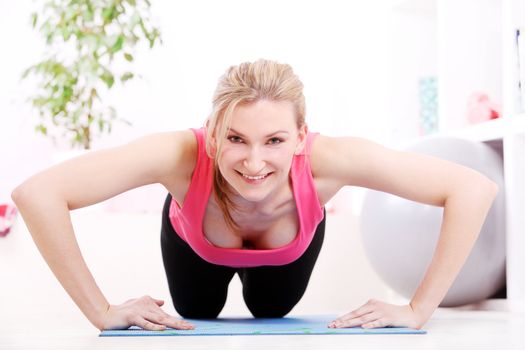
(247, 83)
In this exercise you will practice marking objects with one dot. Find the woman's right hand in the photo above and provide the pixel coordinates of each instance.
(144, 312)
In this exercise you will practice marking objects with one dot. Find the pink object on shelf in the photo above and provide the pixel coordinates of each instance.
(480, 108)
(7, 218)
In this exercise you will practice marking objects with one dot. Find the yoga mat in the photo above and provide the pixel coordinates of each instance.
(260, 326)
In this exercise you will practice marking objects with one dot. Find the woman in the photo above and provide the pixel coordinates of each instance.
(246, 196)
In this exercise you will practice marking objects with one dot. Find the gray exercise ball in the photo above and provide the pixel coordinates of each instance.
(400, 236)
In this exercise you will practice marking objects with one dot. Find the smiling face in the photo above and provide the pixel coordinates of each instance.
(257, 152)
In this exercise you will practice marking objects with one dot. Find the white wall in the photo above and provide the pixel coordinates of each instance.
(336, 47)
(412, 55)
(470, 60)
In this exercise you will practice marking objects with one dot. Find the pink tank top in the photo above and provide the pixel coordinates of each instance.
(187, 221)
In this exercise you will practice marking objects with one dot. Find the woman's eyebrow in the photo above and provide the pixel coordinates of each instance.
(273, 133)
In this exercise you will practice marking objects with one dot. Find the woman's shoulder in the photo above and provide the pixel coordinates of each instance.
(351, 160)
(172, 153)
(178, 141)
(326, 153)
(180, 145)
(334, 158)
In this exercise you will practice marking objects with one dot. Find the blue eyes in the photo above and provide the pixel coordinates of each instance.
(272, 141)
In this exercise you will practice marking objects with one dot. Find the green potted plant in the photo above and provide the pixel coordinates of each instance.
(89, 46)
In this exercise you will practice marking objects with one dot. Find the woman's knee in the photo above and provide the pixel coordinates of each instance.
(186, 310)
(270, 304)
(269, 311)
(199, 304)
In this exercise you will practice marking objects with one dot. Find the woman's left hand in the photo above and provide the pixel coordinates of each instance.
(377, 314)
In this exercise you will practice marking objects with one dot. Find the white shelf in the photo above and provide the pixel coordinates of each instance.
(423, 7)
(495, 129)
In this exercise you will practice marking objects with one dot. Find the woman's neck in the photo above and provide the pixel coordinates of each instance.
(263, 208)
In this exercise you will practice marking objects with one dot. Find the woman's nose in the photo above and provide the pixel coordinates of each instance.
(254, 162)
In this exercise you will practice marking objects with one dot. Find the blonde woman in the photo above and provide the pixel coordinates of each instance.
(246, 196)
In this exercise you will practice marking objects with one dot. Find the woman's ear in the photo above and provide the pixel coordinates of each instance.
(301, 139)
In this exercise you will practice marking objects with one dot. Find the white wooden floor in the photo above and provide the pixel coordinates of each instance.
(123, 253)
(447, 330)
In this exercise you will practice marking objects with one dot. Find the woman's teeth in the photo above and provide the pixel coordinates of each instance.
(260, 177)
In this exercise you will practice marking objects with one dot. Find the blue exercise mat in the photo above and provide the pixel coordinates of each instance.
(260, 326)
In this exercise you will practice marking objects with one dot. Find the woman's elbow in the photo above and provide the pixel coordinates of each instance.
(17, 194)
(476, 185)
(27, 191)
(494, 188)
(487, 188)
(23, 194)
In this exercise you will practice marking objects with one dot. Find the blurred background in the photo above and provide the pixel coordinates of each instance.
(388, 70)
(337, 48)
(370, 69)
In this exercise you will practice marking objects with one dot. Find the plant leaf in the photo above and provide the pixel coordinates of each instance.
(117, 46)
(41, 128)
(67, 100)
(126, 76)
(108, 78)
(34, 19)
(108, 14)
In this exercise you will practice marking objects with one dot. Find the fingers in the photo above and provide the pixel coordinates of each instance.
(356, 314)
(161, 318)
(356, 321)
(375, 314)
(157, 318)
(154, 324)
(375, 324)
(368, 315)
(363, 310)
(148, 325)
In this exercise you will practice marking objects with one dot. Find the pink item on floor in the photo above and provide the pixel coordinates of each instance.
(7, 218)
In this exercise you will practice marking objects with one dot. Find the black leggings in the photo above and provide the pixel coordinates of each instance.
(199, 288)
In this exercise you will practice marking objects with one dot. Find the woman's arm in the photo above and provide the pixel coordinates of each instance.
(44, 200)
(465, 195)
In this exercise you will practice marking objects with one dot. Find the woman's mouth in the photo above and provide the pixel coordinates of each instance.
(254, 179)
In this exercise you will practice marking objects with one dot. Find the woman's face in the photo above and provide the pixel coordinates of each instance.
(257, 153)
